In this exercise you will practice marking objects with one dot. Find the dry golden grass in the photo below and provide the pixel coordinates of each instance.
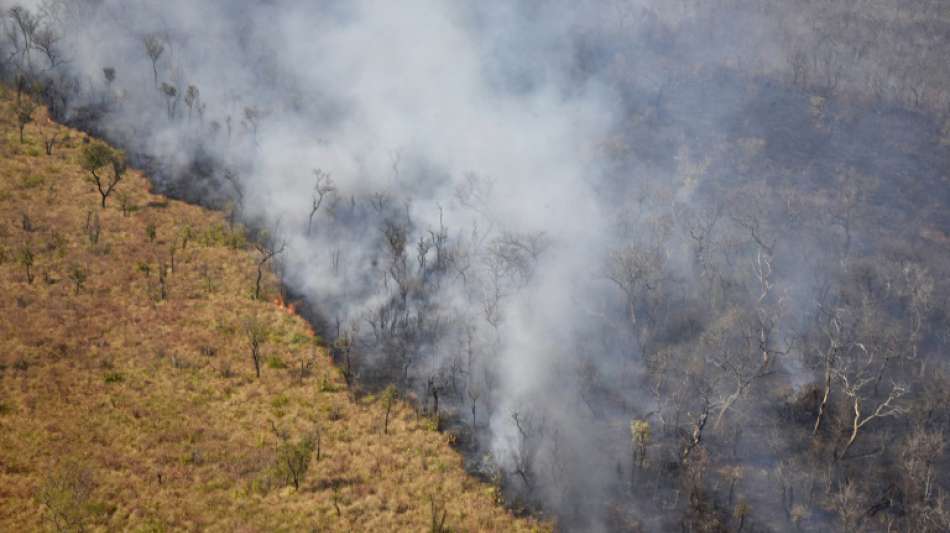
(123, 411)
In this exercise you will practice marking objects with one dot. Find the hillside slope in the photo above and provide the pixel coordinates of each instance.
(128, 395)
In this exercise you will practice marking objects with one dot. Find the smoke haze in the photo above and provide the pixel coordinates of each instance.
(519, 222)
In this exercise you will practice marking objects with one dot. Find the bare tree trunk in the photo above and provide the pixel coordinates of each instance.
(824, 403)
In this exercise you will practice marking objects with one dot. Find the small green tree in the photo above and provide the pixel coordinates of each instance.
(293, 460)
(77, 274)
(66, 498)
(125, 203)
(96, 155)
(26, 259)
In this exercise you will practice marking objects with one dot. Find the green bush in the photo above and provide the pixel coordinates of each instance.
(280, 401)
(31, 182)
(66, 498)
(293, 461)
(220, 235)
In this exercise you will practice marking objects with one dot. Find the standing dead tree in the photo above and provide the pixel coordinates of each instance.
(235, 209)
(256, 333)
(21, 29)
(530, 435)
(696, 436)
(321, 189)
(389, 398)
(170, 92)
(857, 380)
(154, 49)
(49, 141)
(268, 245)
(638, 272)
(828, 354)
(193, 100)
(24, 115)
(699, 225)
(46, 41)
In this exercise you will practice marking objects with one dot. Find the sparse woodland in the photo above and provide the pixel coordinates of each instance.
(143, 387)
(756, 341)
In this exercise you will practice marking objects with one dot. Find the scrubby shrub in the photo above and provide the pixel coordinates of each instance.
(66, 496)
(275, 362)
(77, 274)
(31, 181)
(293, 461)
(26, 261)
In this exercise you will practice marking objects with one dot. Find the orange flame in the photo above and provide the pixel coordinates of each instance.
(289, 308)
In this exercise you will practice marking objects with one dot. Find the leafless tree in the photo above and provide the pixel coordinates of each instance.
(24, 115)
(268, 246)
(192, 100)
(530, 432)
(234, 180)
(46, 40)
(745, 349)
(109, 74)
(849, 504)
(170, 92)
(798, 62)
(49, 141)
(699, 225)
(699, 424)
(856, 378)
(919, 457)
(827, 352)
(252, 120)
(256, 333)
(154, 48)
(634, 270)
(20, 30)
(323, 187)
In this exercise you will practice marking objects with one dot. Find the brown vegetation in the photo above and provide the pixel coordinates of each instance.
(127, 397)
